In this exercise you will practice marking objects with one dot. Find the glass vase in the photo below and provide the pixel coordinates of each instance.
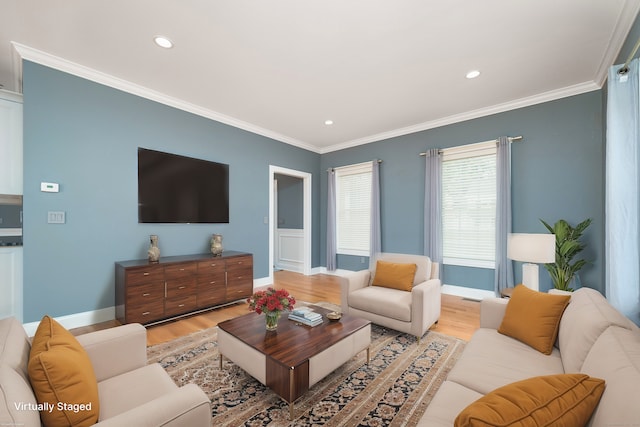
(272, 320)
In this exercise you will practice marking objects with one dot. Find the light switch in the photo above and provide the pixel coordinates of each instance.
(56, 217)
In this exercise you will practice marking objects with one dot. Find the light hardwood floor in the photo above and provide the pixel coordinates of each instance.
(459, 317)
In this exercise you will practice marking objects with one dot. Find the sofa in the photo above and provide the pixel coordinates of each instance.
(593, 338)
(131, 392)
(412, 311)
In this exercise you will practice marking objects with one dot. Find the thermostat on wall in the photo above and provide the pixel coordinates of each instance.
(49, 187)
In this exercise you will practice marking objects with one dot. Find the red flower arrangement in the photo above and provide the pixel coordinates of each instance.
(271, 301)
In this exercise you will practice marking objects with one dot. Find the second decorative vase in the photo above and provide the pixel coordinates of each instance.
(154, 251)
(216, 244)
(272, 320)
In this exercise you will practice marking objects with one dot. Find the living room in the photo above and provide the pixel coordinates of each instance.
(84, 134)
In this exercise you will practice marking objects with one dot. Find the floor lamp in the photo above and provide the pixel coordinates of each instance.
(532, 249)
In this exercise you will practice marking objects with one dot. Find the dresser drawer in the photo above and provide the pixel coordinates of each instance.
(210, 298)
(179, 305)
(213, 281)
(142, 294)
(144, 275)
(239, 290)
(180, 270)
(145, 313)
(240, 263)
(181, 287)
(213, 266)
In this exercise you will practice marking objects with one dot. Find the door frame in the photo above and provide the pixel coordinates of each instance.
(306, 216)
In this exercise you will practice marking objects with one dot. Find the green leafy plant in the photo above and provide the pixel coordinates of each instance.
(568, 245)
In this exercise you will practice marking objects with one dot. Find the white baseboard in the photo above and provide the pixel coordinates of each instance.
(469, 293)
(338, 272)
(77, 320)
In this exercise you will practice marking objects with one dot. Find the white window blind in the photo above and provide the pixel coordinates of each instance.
(353, 209)
(469, 205)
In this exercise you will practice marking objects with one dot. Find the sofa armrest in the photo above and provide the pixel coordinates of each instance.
(492, 311)
(425, 305)
(116, 350)
(186, 406)
(349, 283)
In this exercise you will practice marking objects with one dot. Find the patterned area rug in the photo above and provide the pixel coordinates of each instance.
(393, 390)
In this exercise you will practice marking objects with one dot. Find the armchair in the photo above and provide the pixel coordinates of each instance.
(411, 312)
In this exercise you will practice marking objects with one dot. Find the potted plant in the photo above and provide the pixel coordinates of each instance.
(568, 245)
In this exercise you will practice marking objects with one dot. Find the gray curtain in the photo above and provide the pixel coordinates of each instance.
(504, 266)
(331, 220)
(433, 206)
(375, 242)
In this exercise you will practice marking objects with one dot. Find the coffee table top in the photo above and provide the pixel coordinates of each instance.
(293, 343)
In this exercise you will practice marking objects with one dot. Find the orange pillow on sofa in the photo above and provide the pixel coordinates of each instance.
(394, 275)
(534, 317)
(552, 400)
(61, 375)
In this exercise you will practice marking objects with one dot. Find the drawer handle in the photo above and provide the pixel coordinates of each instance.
(181, 287)
(181, 305)
(146, 313)
(182, 269)
(213, 265)
(146, 273)
(212, 283)
(146, 294)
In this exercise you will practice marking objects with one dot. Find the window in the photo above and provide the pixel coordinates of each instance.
(353, 209)
(469, 205)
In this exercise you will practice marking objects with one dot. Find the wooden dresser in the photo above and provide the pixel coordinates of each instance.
(179, 285)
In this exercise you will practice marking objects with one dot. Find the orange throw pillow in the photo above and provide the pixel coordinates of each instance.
(394, 275)
(534, 317)
(62, 377)
(552, 400)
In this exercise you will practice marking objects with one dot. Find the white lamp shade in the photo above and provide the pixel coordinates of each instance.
(534, 248)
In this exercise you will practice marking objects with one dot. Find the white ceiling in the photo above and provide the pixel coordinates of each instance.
(280, 68)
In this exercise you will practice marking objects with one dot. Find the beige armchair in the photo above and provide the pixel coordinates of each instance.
(131, 392)
(411, 312)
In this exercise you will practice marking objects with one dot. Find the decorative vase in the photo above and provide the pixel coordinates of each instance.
(216, 244)
(154, 251)
(272, 318)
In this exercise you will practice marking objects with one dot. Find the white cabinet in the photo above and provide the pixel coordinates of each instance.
(10, 143)
(11, 282)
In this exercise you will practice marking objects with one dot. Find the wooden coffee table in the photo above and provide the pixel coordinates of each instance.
(292, 359)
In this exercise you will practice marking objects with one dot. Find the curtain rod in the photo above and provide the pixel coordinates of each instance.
(356, 164)
(625, 68)
(511, 139)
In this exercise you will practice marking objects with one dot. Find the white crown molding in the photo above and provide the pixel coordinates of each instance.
(482, 112)
(626, 20)
(61, 64)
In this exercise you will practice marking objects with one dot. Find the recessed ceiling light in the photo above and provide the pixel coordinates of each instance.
(328, 122)
(164, 42)
(473, 74)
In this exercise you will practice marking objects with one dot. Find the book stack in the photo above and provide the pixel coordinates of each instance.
(306, 316)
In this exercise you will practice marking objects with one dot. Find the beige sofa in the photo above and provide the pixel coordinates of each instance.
(410, 312)
(593, 339)
(131, 392)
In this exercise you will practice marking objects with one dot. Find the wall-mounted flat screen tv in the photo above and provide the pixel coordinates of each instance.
(179, 189)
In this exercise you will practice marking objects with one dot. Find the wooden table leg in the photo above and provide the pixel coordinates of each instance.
(292, 391)
(221, 359)
(368, 355)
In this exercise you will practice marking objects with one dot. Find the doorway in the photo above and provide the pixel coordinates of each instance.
(302, 239)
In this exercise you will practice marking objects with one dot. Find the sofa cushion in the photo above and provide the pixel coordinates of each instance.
(422, 262)
(383, 301)
(556, 400)
(132, 389)
(588, 315)
(15, 389)
(533, 317)
(448, 402)
(61, 374)
(394, 275)
(615, 357)
(491, 360)
(14, 345)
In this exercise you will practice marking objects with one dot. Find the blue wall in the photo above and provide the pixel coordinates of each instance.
(85, 136)
(557, 172)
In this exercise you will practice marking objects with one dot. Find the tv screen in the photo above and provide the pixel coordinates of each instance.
(178, 189)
